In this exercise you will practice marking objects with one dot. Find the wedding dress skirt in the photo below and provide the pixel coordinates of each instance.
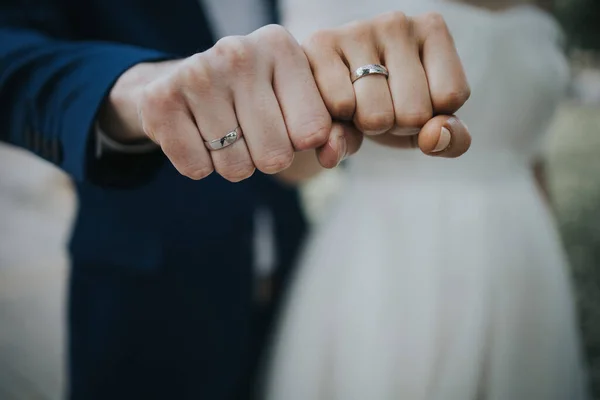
(436, 279)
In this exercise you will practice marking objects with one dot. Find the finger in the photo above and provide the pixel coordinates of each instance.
(344, 141)
(216, 119)
(258, 110)
(407, 81)
(444, 136)
(331, 75)
(297, 97)
(168, 122)
(448, 84)
(374, 108)
(398, 139)
(266, 133)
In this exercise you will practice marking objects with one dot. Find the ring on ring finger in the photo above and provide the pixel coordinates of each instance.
(374, 107)
(369, 69)
(225, 141)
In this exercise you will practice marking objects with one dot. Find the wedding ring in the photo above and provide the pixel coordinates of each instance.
(225, 141)
(369, 69)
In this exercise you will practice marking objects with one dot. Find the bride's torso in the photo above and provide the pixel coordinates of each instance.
(515, 67)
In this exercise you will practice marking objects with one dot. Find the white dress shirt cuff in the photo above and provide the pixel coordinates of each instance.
(106, 144)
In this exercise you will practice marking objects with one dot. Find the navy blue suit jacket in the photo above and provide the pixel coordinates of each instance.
(161, 301)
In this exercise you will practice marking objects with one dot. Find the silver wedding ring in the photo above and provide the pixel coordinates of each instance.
(225, 141)
(369, 69)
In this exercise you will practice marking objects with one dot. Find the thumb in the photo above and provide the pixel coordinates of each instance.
(444, 136)
(344, 140)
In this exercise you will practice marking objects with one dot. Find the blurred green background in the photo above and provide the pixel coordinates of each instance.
(573, 156)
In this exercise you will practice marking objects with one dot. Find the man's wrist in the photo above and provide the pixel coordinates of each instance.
(106, 144)
(118, 116)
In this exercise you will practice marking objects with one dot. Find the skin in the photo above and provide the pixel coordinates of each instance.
(296, 105)
(426, 80)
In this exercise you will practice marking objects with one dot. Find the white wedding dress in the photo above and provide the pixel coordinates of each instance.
(437, 279)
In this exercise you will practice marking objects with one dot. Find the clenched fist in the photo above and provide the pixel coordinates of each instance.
(425, 79)
(252, 102)
(258, 86)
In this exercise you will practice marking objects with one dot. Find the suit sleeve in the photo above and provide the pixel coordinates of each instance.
(51, 88)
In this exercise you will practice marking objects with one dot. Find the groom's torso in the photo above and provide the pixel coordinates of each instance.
(175, 215)
(181, 27)
(168, 264)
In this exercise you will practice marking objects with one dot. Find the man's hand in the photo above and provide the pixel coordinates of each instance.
(414, 106)
(264, 84)
(261, 82)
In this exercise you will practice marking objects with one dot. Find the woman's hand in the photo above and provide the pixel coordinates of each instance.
(414, 106)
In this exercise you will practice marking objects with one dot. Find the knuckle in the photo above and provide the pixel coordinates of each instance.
(343, 108)
(275, 162)
(237, 172)
(188, 163)
(277, 35)
(157, 95)
(394, 22)
(196, 171)
(435, 22)
(196, 73)
(235, 53)
(312, 134)
(413, 120)
(272, 30)
(156, 98)
(359, 31)
(452, 100)
(377, 121)
(319, 39)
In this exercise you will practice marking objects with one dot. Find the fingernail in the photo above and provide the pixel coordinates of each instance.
(338, 143)
(343, 152)
(443, 141)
